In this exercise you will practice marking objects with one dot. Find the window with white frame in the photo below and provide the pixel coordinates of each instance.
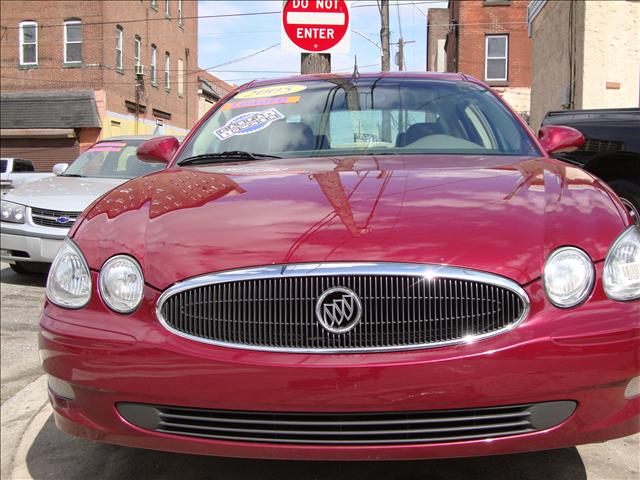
(137, 47)
(167, 10)
(28, 43)
(167, 69)
(154, 63)
(496, 57)
(180, 12)
(72, 41)
(180, 77)
(119, 36)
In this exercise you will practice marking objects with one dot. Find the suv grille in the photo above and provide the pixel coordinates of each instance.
(388, 428)
(403, 306)
(53, 218)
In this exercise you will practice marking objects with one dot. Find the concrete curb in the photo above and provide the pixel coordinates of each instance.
(17, 414)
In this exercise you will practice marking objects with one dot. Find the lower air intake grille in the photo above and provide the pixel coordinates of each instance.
(389, 428)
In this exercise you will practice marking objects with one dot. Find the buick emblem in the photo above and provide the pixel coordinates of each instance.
(338, 310)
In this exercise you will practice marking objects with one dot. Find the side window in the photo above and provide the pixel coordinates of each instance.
(22, 166)
(496, 57)
(72, 41)
(119, 42)
(28, 43)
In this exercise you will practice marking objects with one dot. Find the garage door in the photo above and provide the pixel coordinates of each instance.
(43, 152)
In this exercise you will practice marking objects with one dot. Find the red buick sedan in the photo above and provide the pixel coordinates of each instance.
(383, 266)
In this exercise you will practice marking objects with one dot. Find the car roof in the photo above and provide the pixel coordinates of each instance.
(347, 76)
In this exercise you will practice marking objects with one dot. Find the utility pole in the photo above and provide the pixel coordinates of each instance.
(400, 54)
(315, 63)
(384, 35)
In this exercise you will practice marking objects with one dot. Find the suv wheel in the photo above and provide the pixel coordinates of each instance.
(629, 194)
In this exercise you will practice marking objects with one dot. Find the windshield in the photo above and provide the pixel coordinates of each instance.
(338, 116)
(111, 159)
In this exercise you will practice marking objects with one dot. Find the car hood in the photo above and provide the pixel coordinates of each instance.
(496, 214)
(71, 194)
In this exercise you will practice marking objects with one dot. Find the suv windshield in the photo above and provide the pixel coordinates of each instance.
(111, 159)
(339, 116)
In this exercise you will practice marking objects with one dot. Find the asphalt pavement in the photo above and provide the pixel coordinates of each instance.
(32, 447)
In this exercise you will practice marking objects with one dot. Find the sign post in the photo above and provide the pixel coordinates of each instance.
(316, 28)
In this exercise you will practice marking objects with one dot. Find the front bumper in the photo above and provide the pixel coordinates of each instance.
(18, 248)
(29, 242)
(587, 355)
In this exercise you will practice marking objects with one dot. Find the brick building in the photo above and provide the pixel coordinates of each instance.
(437, 28)
(488, 40)
(77, 71)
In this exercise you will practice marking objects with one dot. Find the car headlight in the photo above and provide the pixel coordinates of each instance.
(121, 283)
(569, 276)
(621, 277)
(69, 281)
(12, 212)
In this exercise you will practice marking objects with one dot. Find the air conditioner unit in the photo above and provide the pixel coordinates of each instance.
(140, 69)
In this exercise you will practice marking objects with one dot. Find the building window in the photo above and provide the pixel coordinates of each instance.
(119, 59)
(167, 69)
(28, 43)
(137, 44)
(154, 63)
(496, 57)
(180, 12)
(180, 77)
(72, 41)
(167, 10)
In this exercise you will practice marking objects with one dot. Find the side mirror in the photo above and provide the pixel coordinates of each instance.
(158, 150)
(560, 139)
(60, 168)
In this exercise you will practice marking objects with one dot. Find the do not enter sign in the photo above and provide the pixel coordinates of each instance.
(315, 26)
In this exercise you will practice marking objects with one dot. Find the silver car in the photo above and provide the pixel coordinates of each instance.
(36, 217)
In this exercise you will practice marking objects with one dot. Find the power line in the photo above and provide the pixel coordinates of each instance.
(199, 17)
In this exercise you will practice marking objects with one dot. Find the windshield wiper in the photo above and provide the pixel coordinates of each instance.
(224, 156)
(72, 175)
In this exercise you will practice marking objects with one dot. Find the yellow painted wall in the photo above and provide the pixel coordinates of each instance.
(115, 124)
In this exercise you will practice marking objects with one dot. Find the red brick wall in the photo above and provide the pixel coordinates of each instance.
(477, 19)
(168, 37)
(50, 74)
(98, 71)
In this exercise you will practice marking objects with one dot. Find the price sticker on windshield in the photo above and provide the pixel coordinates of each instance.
(248, 123)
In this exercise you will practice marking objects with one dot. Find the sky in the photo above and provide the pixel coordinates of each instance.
(224, 39)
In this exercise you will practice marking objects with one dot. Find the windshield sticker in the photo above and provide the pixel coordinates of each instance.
(108, 147)
(258, 102)
(271, 91)
(247, 123)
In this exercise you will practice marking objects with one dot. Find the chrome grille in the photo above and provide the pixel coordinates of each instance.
(404, 306)
(387, 428)
(52, 218)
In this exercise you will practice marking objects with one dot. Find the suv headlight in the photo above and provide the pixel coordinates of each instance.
(621, 277)
(121, 283)
(69, 281)
(12, 212)
(569, 276)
